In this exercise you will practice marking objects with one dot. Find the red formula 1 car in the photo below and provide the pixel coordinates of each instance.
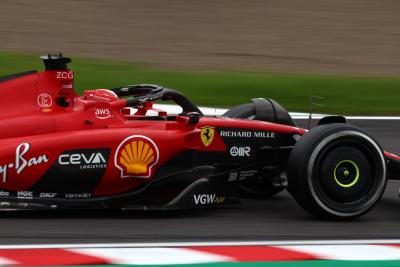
(98, 150)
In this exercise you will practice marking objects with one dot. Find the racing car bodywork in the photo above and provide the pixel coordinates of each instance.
(101, 150)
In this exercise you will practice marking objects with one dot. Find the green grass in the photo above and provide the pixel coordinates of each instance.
(343, 94)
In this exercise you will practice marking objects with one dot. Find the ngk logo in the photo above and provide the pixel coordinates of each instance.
(240, 151)
(25, 194)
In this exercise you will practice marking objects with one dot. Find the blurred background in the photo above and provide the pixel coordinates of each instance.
(219, 52)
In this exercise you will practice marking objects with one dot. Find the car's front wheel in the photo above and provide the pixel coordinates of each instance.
(337, 171)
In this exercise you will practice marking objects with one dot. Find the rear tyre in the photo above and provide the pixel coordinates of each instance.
(260, 186)
(261, 109)
(337, 171)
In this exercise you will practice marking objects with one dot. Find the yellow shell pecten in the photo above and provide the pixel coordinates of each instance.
(136, 157)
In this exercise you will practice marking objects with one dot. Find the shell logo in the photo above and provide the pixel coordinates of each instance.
(136, 156)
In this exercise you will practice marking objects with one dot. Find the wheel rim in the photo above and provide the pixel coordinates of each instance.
(346, 173)
(358, 195)
(343, 173)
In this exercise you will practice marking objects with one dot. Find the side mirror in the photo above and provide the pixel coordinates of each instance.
(194, 117)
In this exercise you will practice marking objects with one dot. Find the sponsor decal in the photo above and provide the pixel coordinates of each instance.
(85, 159)
(102, 113)
(45, 110)
(78, 195)
(74, 171)
(136, 156)
(21, 161)
(67, 86)
(25, 194)
(247, 134)
(143, 100)
(47, 195)
(232, 176)
(65, 75)
(4, 194)
(207, 135)
(246, 174)
(207, 199)
(44, 100)
(240, 151)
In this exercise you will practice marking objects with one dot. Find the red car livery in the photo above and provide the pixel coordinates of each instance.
(111, 149)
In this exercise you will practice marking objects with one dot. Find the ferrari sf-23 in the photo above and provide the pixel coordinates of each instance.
(112, 149)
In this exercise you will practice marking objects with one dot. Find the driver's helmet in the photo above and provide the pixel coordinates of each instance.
(100, 95)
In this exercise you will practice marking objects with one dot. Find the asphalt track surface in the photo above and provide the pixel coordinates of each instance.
(278, 218)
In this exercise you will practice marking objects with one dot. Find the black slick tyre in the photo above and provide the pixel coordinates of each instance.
(337, 171)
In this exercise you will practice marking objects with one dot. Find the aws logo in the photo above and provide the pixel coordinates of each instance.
(136, 156)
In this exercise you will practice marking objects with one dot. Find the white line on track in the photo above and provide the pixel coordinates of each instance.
(194, 244)
(153, 255)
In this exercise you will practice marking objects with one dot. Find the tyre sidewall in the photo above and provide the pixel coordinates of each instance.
(301, 168)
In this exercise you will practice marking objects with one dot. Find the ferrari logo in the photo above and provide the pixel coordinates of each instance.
(207, 135)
